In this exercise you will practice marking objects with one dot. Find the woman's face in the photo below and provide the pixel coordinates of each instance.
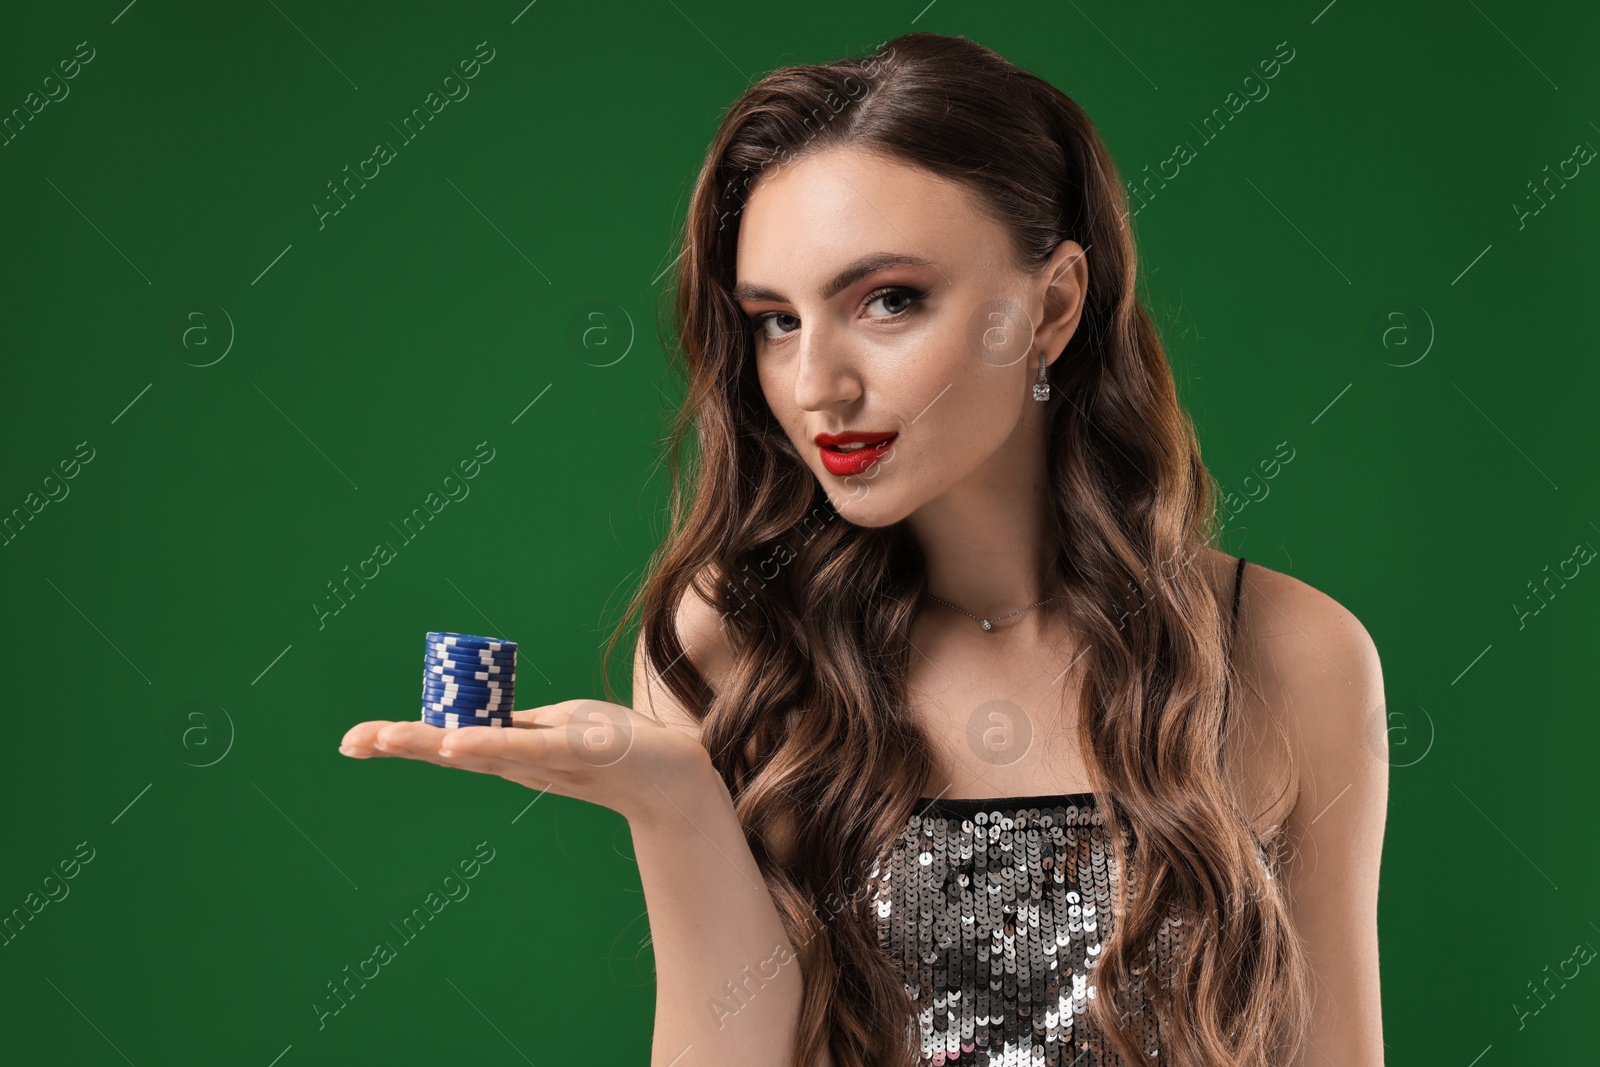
(883, 302)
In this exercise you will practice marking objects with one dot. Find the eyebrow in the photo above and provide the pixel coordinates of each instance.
(844, 279)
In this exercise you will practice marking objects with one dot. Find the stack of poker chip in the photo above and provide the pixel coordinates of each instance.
(468, 680)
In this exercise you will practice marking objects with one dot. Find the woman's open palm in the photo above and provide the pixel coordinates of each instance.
(592, 750)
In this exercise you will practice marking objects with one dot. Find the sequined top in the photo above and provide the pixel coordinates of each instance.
(996, 909)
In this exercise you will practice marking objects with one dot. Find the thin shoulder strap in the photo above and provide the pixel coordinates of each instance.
(1238, 584)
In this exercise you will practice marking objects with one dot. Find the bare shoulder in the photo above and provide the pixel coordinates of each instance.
(1313, 670)
(704, 640)
(1319, 676)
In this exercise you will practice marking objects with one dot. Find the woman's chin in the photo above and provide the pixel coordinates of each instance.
(872, 510)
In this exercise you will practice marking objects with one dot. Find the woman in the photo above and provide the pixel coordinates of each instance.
(953, 741)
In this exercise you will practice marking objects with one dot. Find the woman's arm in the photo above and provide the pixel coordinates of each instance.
(727, 981)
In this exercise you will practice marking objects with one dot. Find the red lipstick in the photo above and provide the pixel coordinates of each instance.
(856, 460)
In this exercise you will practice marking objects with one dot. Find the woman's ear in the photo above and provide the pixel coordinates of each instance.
(1065, 283)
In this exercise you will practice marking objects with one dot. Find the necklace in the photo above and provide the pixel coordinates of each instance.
(988, 624)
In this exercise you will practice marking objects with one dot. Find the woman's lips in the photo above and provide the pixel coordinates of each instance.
(844, 464)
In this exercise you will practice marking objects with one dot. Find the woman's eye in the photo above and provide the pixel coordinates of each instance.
(759, 323)
(897, 299)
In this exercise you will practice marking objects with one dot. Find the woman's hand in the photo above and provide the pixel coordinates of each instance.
(592, 750)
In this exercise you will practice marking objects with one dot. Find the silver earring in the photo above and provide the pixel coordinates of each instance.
(1041, 388)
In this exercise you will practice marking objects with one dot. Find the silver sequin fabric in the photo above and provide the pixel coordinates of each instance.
(996, 910)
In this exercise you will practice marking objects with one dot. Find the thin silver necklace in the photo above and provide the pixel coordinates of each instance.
(988, 624)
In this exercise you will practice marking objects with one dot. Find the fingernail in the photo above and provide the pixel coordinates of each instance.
(346, 750)
(381, 744)
(447, 753)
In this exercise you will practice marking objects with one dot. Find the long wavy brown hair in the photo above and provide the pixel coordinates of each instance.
(810, 728)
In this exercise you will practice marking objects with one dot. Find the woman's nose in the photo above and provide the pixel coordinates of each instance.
(825, 374)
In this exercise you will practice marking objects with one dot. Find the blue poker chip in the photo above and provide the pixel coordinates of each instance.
(471, 693)
(467, 655)
(477, 692)
(485, 696)
(472, 655)
(464, 712)
(497, 692)
(466, 685)
(467, 708)
(460, 699)
(495, 672)
(446, 637)
(434, 703)
(465, 725)
(429, 704)
(453, 676)
(433, 719)
(488, 696)
(458, 713)
(484, 677)
(440, 683)
(456, 680)
(449, 663)
(492, 644)
(505, 651)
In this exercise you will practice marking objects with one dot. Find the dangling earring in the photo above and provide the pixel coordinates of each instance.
(1041, 388)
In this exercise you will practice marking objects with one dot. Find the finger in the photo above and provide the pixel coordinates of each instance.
(417, 740)
(479, 748)
(459, 750)
(487, 742)
(411, 739)
(360, 740)
(549, 715)
(530, 750)
(566, 711)
(546, 752)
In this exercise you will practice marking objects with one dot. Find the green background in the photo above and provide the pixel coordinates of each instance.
(1437, 470)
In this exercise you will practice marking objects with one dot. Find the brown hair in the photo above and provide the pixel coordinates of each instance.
(810, 729)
